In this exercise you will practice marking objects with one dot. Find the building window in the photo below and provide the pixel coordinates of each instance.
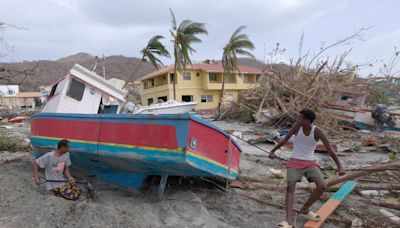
(187, 98)
(258, 77)
(229, 97)
(197, 74)
(162, 99)
(171, 77)
(206, 98)
(187, 76)
(246, 78)
(212, 77)
(149, 83)
(149, 101)
(76, 90)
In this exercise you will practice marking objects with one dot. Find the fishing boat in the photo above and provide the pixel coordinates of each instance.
(126, 149)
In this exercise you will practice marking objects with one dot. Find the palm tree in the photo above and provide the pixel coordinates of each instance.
(238, 44)
(154, 47)
(183, 36)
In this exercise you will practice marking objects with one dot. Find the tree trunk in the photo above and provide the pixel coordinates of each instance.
(134, 73)
(311, 186)
(222, 94)
(332, 182)
(174, 85)
(364, 172)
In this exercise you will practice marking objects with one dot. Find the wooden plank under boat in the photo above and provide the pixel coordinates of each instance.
(125, 149)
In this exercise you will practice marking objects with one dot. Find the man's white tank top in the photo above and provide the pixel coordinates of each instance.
(304, 146)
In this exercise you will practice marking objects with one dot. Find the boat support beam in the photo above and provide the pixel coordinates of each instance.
(161, 187)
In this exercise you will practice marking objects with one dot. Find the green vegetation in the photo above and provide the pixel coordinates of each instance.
(8, 143)
(183, 37)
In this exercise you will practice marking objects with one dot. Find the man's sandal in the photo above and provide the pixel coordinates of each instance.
(284, 224)
(312, 216)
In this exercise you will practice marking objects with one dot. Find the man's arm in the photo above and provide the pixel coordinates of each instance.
(68, 174)
(292, 131)
(321, 136)
(36, 172)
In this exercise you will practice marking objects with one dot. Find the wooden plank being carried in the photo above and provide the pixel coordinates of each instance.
(330, 206)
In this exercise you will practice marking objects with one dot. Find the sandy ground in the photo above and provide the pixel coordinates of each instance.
(22, 204)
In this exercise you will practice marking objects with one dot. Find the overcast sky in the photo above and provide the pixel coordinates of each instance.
(56, 28)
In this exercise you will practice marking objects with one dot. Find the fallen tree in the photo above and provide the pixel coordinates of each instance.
(333, 183)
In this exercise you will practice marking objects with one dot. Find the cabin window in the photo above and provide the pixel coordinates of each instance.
(187, 98)
(76, 90)
(206, 98)
(212, 77)
(197, 74)
(162, 99)
(258, 77)
(110, 109)
(150, 101)
(187, 76)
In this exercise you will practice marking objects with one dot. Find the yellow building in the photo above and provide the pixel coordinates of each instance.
(200, 83)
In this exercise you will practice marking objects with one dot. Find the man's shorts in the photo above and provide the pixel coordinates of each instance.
(295, 175)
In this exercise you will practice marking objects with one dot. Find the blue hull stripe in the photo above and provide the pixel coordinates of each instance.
(122, 159)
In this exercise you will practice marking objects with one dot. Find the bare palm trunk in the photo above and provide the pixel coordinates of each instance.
(134, 73)
(174, 86)
(222, 93)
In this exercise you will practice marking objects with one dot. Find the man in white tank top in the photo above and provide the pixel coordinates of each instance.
(302, 163)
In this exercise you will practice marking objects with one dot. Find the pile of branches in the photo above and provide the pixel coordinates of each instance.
(307, 82)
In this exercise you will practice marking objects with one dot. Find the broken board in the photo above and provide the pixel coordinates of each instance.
(330, 206)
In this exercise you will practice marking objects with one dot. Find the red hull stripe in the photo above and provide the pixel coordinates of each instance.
(163, 136)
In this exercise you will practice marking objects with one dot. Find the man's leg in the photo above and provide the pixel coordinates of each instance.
(316, 177)
(290, 189)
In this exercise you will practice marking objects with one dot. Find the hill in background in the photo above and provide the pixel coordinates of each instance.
(119, 66)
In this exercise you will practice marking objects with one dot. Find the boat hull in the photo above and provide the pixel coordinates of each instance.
(360, 118)
(125, 149)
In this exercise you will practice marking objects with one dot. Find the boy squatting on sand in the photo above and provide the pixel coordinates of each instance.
(302, 163)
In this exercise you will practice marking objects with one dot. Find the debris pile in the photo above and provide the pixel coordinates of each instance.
(321, 84)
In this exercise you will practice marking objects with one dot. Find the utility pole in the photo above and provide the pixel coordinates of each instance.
(104, 66)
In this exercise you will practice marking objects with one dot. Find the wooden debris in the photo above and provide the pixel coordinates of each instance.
(329, 207)
(368, 140)
(395, 219)
(356, 223)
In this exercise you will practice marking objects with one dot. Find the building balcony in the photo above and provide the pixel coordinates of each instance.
(155, 89)
(234, 86)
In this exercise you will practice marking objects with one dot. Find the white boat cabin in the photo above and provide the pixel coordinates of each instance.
(83, 91)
